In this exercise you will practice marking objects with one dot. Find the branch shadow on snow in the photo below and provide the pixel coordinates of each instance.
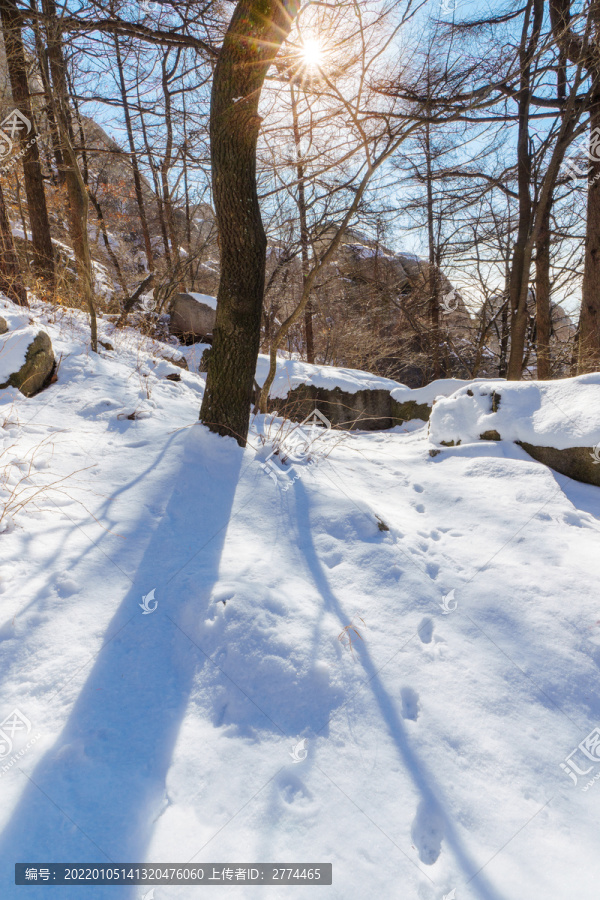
(96, 794)
(432, 822)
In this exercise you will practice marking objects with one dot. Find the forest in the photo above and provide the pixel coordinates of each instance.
(299, 448)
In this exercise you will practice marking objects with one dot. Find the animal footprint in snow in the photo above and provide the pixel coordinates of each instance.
(410, 704)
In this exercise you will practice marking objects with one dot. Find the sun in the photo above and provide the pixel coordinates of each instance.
(312, 54)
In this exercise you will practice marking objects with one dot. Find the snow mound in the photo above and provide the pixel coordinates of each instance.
(292, 372)
(443, 387)
(559, 414)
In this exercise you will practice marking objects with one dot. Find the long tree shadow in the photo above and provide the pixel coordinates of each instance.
(95, 796)
(431, 807)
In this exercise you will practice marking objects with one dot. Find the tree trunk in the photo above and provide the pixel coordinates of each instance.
(137, 181)
(304, 236)
(433, 280)
(519, 275)
(542, 297)
(32, 170)
(589, 323)
(256, 31)
(76, 188)
(11, 282)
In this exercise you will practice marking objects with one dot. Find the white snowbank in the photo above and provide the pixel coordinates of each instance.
(443, 387)
(291, 373)
(557, 414)
(169, 737)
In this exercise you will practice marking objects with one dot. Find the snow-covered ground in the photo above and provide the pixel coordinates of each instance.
(433, 743)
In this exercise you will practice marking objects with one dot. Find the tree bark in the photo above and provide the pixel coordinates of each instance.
(304, 236)
(76, 187)
(32, 170)
(589, 323)
(137, 181)
(255, 34)
(542, 297)
(11, 282)
(584, 51)
(519, 275)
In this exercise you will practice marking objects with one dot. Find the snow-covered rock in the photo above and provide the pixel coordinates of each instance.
(557, 422)
(26, 360)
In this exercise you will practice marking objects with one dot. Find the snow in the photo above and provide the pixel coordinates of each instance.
(442, 387)
(13, 347)
(292, 372)
(434, 746)
(206, 299)
(559, 414)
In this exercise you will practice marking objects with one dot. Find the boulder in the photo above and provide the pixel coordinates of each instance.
(3, 325)
(555, 422)
(193, 317)
(369, 410)
(34, 352)
(580, 463)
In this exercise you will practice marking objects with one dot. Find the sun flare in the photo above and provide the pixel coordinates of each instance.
(312, 54)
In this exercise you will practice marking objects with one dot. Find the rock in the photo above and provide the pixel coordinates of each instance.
(37, 370)
(410, 409)
(203, 367)
(369, 410)
(106, 344)
(491, 435)
(175, 376)
(192, 319)
(3, 325)
(579, 463)
(181, 363)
